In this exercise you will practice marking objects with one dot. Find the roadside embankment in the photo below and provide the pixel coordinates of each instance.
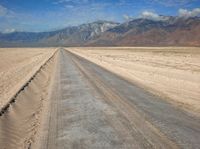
(22, 118)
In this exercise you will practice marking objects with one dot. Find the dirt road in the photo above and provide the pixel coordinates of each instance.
(94, 108)
(90, 107)
(173, 73)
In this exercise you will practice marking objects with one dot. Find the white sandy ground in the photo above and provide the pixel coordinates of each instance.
(17, 65)
(172, 73)
(20, 126)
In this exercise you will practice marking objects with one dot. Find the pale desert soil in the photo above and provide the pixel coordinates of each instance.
(20, 126)
(172, 73)
(17, 65)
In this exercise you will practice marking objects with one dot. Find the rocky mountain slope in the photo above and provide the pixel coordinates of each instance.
(69, 36)
(170, 31)
(173, 31)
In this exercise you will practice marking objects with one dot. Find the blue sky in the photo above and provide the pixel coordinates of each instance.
(45, 15)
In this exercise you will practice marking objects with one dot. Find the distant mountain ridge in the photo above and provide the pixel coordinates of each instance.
(173, 31)
(169, 31)
(75, 35)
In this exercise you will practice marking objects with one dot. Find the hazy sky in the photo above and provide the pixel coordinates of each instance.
(45, 15)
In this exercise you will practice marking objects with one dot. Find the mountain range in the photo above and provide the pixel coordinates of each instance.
(168, 31)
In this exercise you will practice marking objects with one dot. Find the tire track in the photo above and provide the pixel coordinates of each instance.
(162, 118)
(141, 129)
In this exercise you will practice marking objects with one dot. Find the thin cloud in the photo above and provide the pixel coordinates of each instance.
(69, 6)
(189, 13)
(151, 15)
(9, 30)
(127, 17)
(71, 1)
(3, 11)
(6, 13)
(170, 3)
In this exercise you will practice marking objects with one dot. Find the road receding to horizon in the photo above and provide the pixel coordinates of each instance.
(83, 105)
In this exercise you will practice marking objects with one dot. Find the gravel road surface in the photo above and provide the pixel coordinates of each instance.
(94, 108)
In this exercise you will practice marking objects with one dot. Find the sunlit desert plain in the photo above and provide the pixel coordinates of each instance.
(172, 73)
(114, 97)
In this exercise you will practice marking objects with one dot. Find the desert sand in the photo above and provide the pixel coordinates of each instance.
(22, 121)
(172, 73)
(17, 65)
